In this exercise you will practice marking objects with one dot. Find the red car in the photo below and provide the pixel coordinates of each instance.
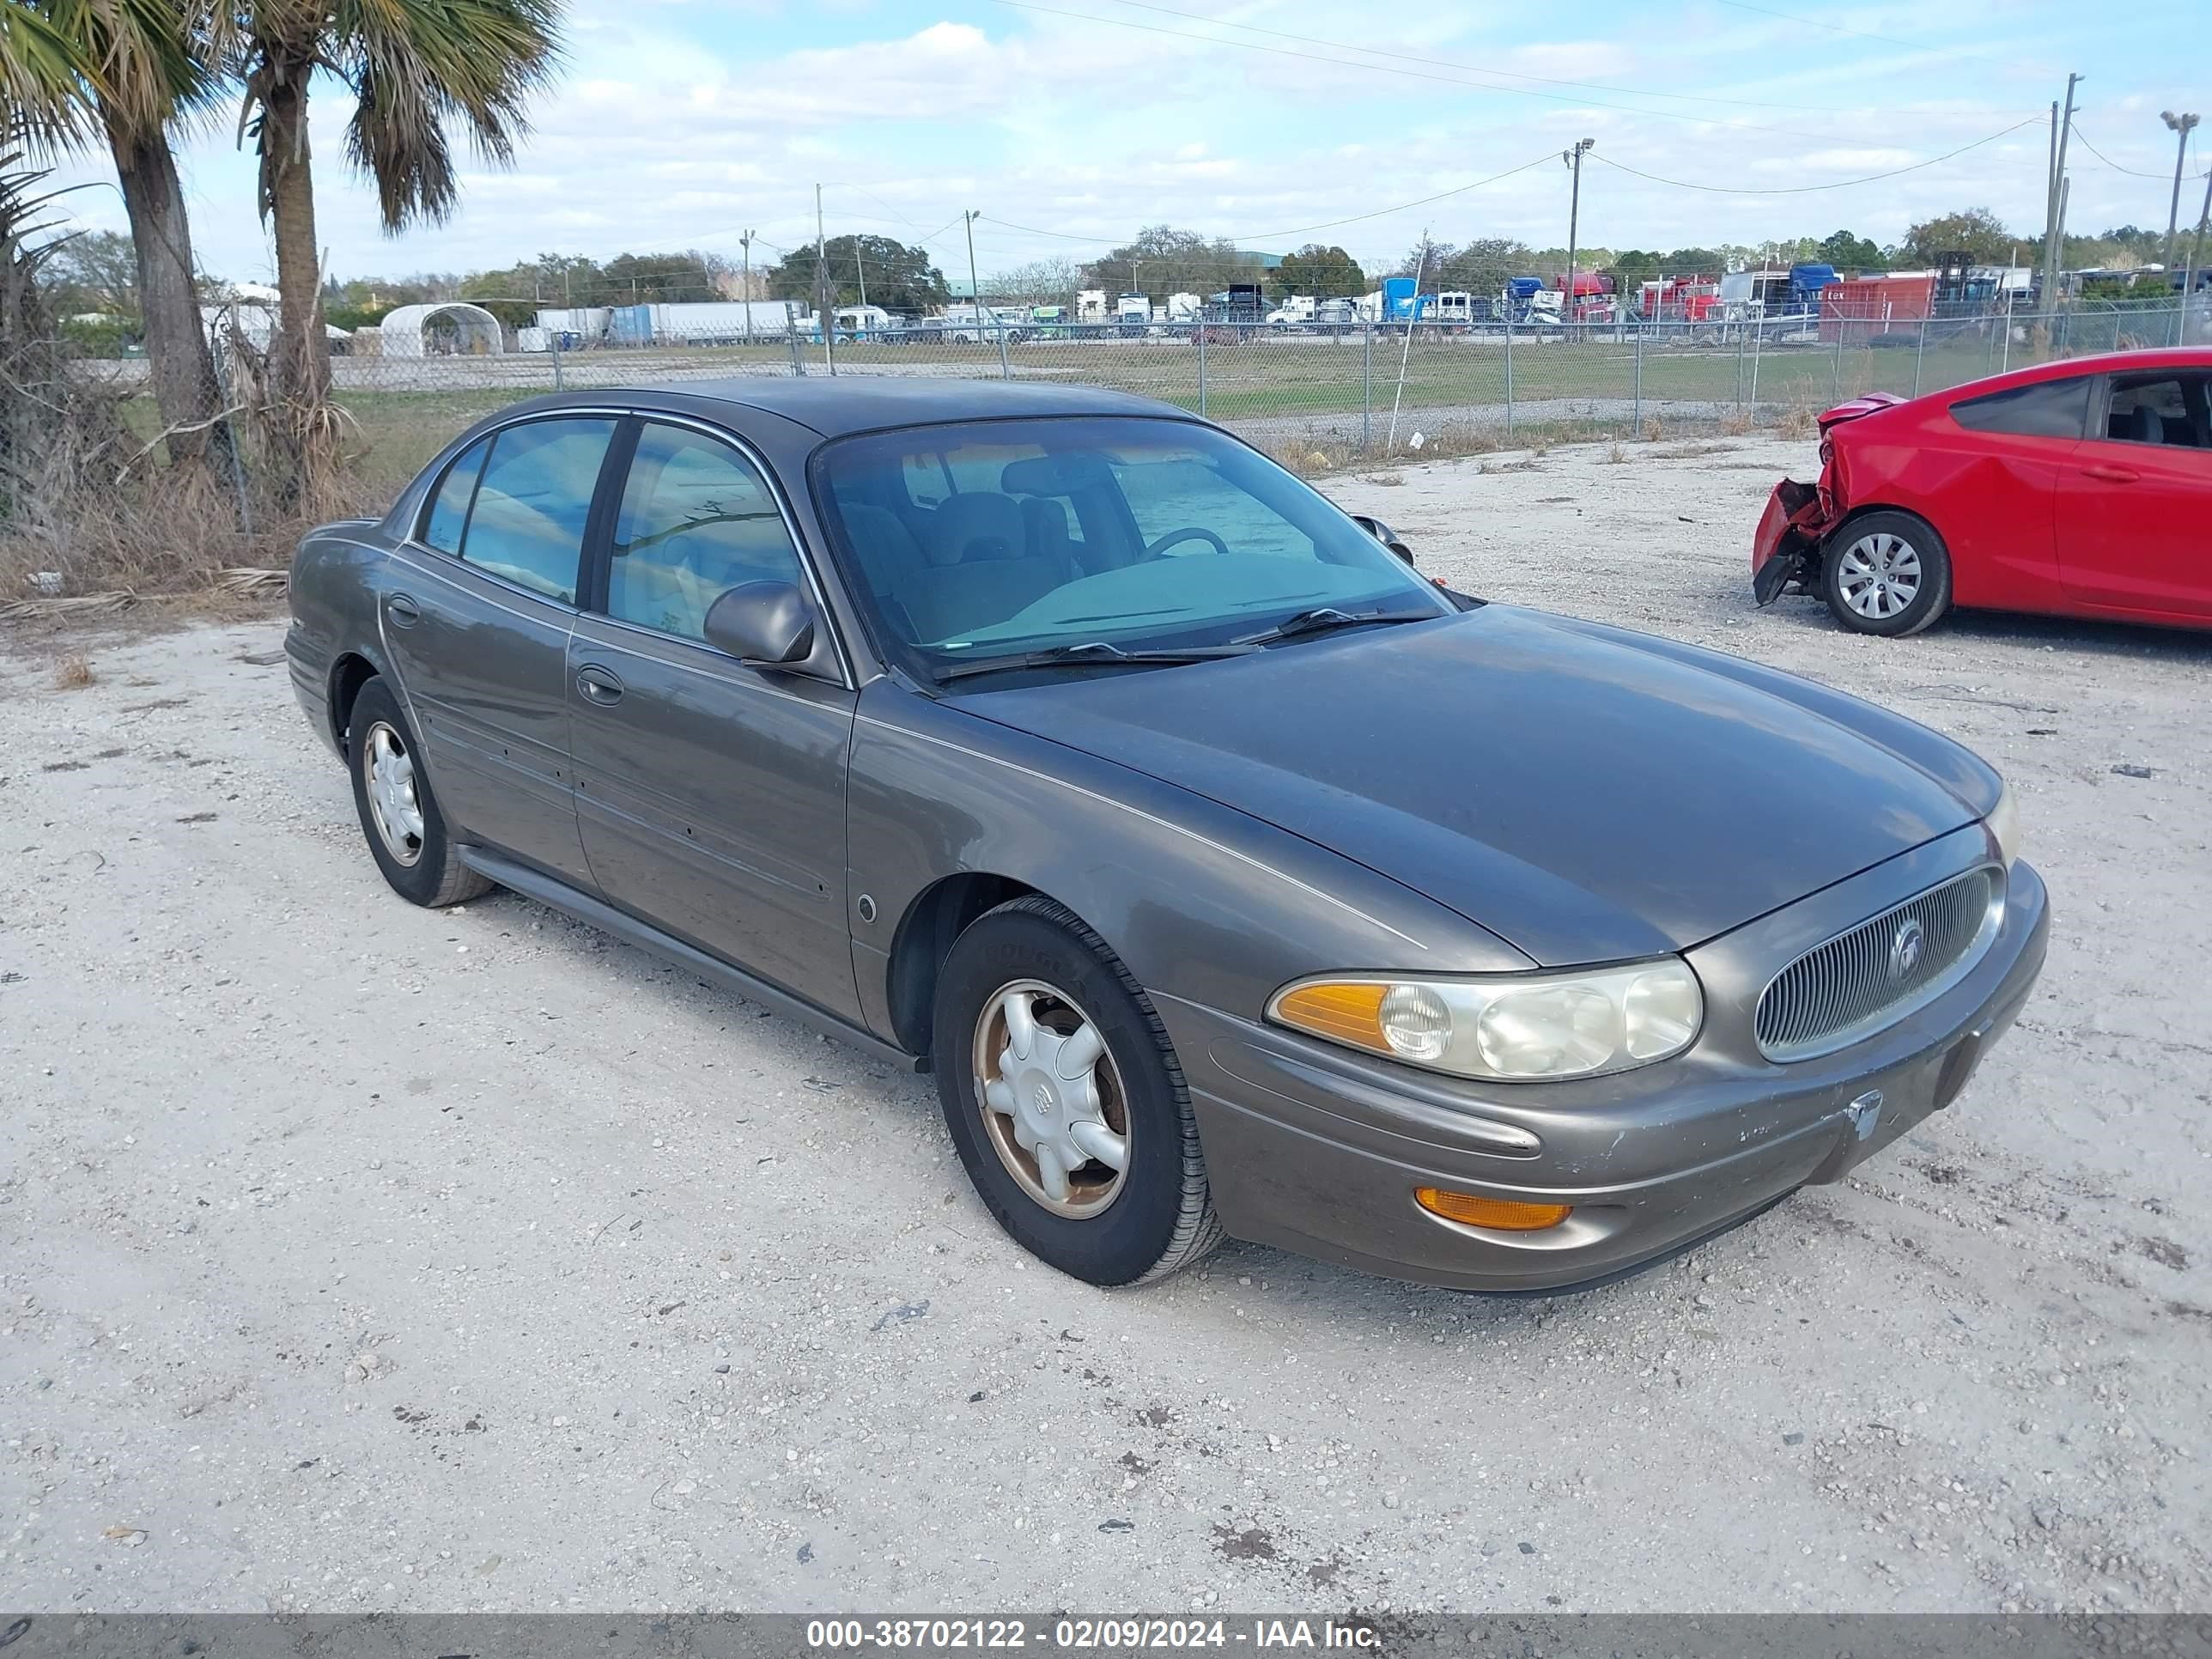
(2081, 488)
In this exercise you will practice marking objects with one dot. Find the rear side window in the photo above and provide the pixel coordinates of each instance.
(527, 524)
(449, 507)
(2048, 409)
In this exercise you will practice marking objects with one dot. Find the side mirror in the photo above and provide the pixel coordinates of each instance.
(763, 622)
(1384, 534)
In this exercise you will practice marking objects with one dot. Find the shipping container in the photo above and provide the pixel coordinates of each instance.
(1857, 308)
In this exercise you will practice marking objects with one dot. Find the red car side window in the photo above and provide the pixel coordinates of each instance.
(2046, 409)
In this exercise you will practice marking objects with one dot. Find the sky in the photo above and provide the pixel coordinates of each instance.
(1069, 124)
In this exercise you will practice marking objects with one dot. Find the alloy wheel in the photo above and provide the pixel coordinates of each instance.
(394, 805)
(1880, 574)
(1051, 1098)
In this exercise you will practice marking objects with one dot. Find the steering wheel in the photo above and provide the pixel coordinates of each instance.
(1189, 532)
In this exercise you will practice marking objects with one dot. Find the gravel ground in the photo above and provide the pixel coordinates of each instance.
(354, 1255)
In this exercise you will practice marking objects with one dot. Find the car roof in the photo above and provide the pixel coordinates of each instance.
(834, 405)
(2103, 363)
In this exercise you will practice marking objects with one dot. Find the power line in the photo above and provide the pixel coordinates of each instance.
(1887, 39)
(2135, 172)
(1472, 68)
(1808, 189)
(1411, 74)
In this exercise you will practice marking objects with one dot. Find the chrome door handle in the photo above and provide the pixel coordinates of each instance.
(403, 611)
(598, 684)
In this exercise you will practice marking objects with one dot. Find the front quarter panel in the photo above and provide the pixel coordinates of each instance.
(1201, 903)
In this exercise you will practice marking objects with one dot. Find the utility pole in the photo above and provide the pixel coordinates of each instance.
(2054, 226)
(2196, 254)
(861, 265)
(1573, 158)
(975, 291)
(745, 242)
(822, 287)
(2182, 125)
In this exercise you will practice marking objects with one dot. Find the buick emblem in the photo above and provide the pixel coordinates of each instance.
(1904, 949)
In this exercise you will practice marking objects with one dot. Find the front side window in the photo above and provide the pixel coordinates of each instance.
(697, 519)
(2158, 409)
(976, 540)
(2046, 409)
(531, 503)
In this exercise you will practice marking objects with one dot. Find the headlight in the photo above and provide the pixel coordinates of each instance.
(2004, 824)
(1517, 1027)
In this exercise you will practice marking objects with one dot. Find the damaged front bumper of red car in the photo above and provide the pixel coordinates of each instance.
(1785, 553)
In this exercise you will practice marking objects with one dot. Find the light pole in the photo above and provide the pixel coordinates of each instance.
(974, 288)
(2182, 125)
(745, 242)
(1573, 158)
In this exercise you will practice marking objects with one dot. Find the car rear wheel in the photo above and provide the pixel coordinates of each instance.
(1065, 1100)
(406, 831)
(1889, 573)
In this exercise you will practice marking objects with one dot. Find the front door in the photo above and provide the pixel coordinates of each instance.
(711, 796)
(477, 620)
(2135, 508)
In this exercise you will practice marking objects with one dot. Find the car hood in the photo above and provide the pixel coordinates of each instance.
(1586, 794)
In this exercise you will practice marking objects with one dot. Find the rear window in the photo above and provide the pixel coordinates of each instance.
(2047, 408)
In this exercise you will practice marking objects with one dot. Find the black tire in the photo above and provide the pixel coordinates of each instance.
(1861, 569)
(1161, 1218)
(435, 874)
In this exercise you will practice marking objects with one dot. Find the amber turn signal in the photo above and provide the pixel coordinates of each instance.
(1349, 1013)
(1506, 1214)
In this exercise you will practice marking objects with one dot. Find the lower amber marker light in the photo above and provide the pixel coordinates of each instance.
(1506, 1214)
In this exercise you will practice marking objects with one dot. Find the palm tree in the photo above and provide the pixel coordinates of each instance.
(78, 73)
(414, 67)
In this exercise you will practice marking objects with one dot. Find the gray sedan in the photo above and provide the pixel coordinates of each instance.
(1229, 877)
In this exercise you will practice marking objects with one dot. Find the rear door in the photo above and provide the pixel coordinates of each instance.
(711, 795)
(2135, 508)
(477, 621)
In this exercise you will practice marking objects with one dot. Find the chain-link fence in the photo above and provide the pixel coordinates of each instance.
(1321, 396)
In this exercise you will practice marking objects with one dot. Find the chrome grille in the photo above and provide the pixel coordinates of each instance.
(1875, 973)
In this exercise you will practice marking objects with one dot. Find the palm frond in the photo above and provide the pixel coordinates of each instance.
(49, 80)
(419, 67)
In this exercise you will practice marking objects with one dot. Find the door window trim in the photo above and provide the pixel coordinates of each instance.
(413, 543)
(2100, 403)
(591, 588)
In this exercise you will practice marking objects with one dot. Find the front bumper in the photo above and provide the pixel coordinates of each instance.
(1319, 1150)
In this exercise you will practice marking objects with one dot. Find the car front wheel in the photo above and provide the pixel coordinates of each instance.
(1888, 574)
(1065, 1100)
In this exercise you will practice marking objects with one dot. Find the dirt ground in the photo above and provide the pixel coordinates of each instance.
(354, 1255)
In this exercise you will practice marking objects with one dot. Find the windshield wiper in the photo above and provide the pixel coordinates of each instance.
(1088, 654)
(1322, 619)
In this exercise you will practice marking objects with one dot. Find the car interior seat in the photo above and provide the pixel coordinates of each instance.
(978, 567)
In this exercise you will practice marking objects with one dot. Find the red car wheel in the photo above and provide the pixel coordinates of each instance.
(1887, 573)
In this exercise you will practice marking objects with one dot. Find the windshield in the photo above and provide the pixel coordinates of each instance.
(991, 539)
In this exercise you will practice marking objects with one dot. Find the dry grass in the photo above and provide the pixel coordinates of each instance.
(1652, 430)
(73, 672)
(1388, 480)
(1616, 456)
(1736, 424)
(1799, 421)
(161, 533)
